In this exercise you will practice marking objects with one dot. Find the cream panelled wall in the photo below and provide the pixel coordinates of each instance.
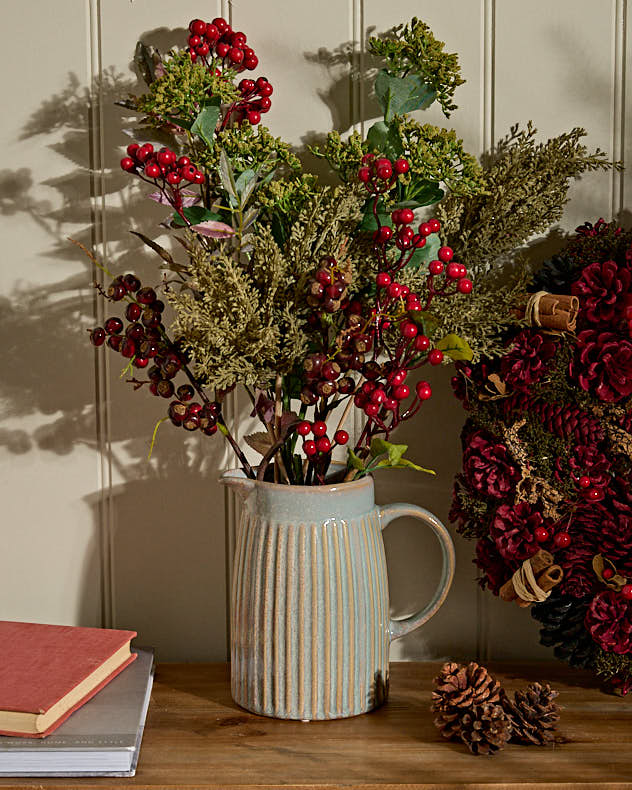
(91, 532)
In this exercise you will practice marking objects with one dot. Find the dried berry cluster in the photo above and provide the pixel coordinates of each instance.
(546, 456)
(470, 705)
(145, 340)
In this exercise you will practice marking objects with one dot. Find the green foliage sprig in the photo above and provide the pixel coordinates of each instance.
(526, 185)
(183, 89)
(414, 48)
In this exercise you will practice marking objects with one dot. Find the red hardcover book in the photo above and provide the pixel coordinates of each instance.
(48, 671)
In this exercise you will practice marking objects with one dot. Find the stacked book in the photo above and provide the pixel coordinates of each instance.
(73, 701)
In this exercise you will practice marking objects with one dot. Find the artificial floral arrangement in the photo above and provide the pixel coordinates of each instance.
(471, 706)
(318, 299)
(547, 475)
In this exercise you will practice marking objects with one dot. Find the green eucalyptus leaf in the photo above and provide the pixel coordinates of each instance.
(404, 463)
(385, 139)
(227, 178)
(245, 179)
(425, 254)
(425, 320)
(195, 215)
(205, 123)
(400, 95)
(368, 220)
(354, 461)
(424, 192)
(393, 451)
(183, 123)
(455, 347)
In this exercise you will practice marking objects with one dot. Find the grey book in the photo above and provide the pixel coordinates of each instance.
(102, 738)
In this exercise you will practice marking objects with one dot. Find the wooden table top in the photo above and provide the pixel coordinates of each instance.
(197, 738)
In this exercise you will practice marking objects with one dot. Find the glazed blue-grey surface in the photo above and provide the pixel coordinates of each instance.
(309, 603)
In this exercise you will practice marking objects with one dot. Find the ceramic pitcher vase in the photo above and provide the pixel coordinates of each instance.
(309, 600)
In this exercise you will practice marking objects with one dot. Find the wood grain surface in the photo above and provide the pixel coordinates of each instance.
(197, 738)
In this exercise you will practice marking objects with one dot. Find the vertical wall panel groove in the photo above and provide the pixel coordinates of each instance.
(487, 138)
(618, 109)
(101, 364)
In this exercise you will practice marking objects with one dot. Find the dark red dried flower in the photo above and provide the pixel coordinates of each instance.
(487, 465)
(512, 531)
(602, 290)
(495, 570)
(621, 684)
(528, 360)
(589, 460)
(609, 621)
(603, 365)
(576, 562)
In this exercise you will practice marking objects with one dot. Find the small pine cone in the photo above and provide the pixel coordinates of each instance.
(461, 686)
(485, 729)
(533, 714)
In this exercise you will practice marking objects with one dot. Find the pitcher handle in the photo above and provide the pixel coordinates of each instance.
(399, 628)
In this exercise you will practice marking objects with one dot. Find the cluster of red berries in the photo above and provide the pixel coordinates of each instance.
(590, 489)
(321, 444)
(327, 290)
(218, 39)
(454, 272)
(255, 100)
(379, 174)
(626, 590)
(403, 235)
(142, 338)
(163, 165)
(142, 341)
(193, 416)
(377, 400)
(561, 540)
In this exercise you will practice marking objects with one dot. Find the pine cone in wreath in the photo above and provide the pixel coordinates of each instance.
(562, 619)
(532, 714)
(459, 686)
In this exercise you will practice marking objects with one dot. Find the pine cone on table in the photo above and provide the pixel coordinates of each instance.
(485, 729)
(459, 686)
(532, 714)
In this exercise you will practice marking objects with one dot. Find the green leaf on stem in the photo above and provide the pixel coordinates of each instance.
(183, 123)
(245, 184)
(195, 215)
(404, 463)
(422, 193)
(425, 320)
(425, 254)
(385, 139)
(455, 347)
(400, 95)
(354, 461)
(369, 222)
(227, 178)
(205, 123)
(393, 451)
(394, 456)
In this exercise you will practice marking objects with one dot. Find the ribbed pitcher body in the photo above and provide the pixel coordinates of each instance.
(310, 607)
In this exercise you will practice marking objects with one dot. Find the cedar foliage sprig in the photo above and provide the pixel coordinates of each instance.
(249, 325)
(414, 48)
(526, 189)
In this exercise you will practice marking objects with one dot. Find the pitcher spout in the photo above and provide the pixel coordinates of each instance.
(237, 480)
